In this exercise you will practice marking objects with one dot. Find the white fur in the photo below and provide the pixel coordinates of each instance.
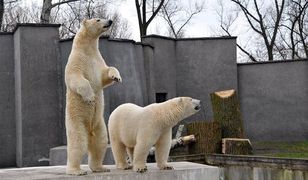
(136, 129)
(86, 74)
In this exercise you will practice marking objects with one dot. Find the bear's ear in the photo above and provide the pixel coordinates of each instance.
(84, 22)
(180, 100)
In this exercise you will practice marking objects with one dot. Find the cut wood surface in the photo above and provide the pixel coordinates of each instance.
(226, 111)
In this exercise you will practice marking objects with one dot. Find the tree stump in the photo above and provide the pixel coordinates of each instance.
(236, 146)
(226, 111)
(208, 137)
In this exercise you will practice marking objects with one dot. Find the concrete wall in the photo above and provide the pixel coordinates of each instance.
(193, 67)
(273, 96)
(204, 66)
(274, 100)
(7, 99)
(37, 93)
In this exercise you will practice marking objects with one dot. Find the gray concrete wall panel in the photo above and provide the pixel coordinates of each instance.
(39, 113)
(274, 100)
(204, 66)
(7, 99)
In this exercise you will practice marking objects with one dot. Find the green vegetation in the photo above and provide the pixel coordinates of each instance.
(282, 149)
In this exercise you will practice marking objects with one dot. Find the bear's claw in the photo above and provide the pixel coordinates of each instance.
(128, 167)
(142, 170)
(168, 168)
(101, 170)
(77, 172)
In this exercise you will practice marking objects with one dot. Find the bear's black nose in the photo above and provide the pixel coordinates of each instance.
(110, 22)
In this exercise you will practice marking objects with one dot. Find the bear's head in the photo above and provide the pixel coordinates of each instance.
(95, 27)
(190, 106)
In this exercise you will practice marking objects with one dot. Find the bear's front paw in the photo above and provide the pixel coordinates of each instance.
(99, 169)
(114, 74)
(89, 98)
(166, 167)
(124, 167)
(76, 172)
(140, 169)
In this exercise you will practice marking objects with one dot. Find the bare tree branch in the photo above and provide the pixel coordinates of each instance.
(142, 13)
(47, 7)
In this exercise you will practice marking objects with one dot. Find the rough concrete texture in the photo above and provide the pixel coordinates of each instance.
(274, 100)
(261, 173)
(200, 71)
(7, 102)
(58, 156)
(235, 167)
(257, 161)
(37, 93)
(182, 171)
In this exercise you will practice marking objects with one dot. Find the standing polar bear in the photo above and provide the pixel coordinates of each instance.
(136, 129)
(86, 74)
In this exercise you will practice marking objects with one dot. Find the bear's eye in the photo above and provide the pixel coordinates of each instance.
(98, 20)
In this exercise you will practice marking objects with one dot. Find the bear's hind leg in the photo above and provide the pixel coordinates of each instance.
(130, 153)
(119, 154)
(76, 148)
(141, 152)
(97, 148)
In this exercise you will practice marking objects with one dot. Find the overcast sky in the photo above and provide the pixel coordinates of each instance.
(198, 27)
(203, 24)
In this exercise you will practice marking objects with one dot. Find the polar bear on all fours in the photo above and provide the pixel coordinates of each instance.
(134, 129)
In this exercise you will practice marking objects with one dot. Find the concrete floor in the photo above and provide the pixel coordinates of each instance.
(182, 171)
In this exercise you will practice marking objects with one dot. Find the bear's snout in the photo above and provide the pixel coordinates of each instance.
(197, 104)
(108, 24)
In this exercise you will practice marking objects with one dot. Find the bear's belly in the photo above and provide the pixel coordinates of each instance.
(76, 107)
(128, 139)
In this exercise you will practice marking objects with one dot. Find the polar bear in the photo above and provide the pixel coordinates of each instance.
(136, 129)
(86, 74)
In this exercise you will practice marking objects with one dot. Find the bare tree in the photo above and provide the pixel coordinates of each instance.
(47, 7)
(70, 16)
(3, 5)
(142, 9)
(177, 17)
(14, 13)
(264, 24)
(297, 28)
(226, 21)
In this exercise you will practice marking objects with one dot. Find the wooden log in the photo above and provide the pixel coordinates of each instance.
(226, 111)
(236, 146)
(208, 137)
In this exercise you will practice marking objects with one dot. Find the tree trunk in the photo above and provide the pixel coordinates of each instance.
(46, 10)
(1, 12)
(226, 111)
(270, 53)
(208, 137)
(236, 146)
